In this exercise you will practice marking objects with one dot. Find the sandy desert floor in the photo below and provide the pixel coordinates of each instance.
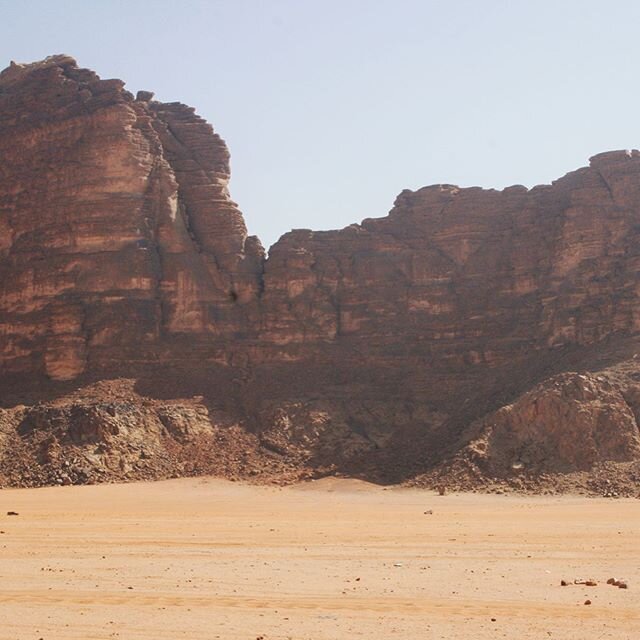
(205, 559)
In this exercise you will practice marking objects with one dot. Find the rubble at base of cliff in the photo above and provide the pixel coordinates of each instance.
(606, 480)
(108, 432)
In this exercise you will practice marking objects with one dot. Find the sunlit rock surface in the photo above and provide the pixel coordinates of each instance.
(372, 348)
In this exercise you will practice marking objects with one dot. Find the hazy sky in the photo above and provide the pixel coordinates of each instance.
(330, 108)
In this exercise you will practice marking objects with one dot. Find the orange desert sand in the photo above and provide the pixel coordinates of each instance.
(205, 558)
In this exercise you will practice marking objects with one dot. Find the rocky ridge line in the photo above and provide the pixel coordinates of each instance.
(468, 330)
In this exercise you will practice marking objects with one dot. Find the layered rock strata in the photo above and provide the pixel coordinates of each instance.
(371, 349)
(117, 227)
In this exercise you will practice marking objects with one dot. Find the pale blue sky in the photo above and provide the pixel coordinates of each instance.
(330, 108)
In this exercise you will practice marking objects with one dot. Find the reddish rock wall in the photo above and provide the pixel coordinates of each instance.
(121, 253)
(117, 225)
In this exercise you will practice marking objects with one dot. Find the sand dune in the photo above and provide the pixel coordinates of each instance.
(334, 559)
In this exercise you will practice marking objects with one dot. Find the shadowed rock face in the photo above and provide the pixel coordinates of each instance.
(121, 254)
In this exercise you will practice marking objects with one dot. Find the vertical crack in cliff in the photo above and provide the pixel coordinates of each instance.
(183, 208)
(606, 184)
(152, 218)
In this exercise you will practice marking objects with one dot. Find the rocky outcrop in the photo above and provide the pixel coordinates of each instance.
(573, 431)
(569, 422)
(377, 349)
(116, 223)
(472, 276)
(108, 432)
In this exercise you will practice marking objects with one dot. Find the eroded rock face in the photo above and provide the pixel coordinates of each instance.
(372, 348)
(108, 432)
(572, 421)
(470, 276)
(116, 223)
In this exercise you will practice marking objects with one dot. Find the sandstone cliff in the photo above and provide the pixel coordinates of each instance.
(116, 223)
(381, 349)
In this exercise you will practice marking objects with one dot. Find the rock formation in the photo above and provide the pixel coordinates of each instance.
(116, 223)
(381, 349)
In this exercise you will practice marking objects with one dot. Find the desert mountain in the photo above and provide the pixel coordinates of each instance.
(471, 336)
